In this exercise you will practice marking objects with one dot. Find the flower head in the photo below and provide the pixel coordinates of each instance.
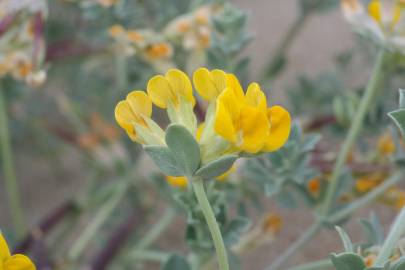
(235, 122)
(13, 262)
(381, 19)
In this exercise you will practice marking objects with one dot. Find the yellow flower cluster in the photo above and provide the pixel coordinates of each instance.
(383, 19)
(21, 41)
(236, 122)
(13, 262)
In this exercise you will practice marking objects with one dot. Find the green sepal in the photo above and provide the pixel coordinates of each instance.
(163, 158)
(347, 243)
(348, 261)
(184, 148)
(217, 167)
(176, 262)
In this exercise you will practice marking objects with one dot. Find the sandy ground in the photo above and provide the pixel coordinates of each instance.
(322, 38)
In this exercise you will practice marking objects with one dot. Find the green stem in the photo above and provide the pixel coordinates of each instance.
(397, 230)
(121, 71)
(275, 65)
(366, 199)
(154, 232)
(354, 130)
(92, 229)
(306, 237)
(198, 186)
(318, 265)
(10, 178)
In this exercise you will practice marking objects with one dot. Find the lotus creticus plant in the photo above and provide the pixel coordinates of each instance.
(236, 123)
(13, 262)
(22, 44)
(383, 20)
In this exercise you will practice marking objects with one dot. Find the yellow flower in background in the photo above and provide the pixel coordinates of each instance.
(13, 262)
(247, 122)
(385, 144)
(381, 19)
(181, 181)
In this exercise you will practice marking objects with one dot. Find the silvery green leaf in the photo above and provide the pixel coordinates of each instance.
(310, 143)
(348, 261)
(176, 262)
(398, 117)
(164, 159)
(216, 167)
(372, 230)
(399, 264)
(235, 229)
(183, 148)
(347, 243)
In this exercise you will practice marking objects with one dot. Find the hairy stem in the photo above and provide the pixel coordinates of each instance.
(354, 130)
(198, 186)
(10, 178)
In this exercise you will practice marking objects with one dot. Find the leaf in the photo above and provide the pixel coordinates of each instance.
(235, 229)
(399, 264)
(184, 148)
(217, 167)
(347, 243)
(176, 262)
(348, 261)
(398, 117)
(164, 159)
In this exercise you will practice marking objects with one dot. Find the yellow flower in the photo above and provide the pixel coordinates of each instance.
(314, 186)
(246, 122)
(133, 115)
(116, 30)
(171, 89)
(385, 144)
(209, 84)
(13, 262)
(368, 182)
(381, 19)
(181, 181)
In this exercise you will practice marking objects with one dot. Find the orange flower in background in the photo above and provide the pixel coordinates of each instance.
(272, 223)
(159, 50)
(368, 182)
(385, 144)
(314, 186)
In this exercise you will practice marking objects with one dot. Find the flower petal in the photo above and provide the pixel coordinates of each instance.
(4, 251)
(255, 97)
(374, 10)
(125, 118)
(180, 84)
(19, 262)
(233, 83)
(140, 103)
(226, 115)
(255, 129)
(280, 122)
(177, 181)
(160, 92)
(209, 84)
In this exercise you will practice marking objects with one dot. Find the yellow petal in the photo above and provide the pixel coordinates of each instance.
(223, 123)
(177, 181)
(19, 262)
(200, 130)
(180, 84)
(125, 118)
(225, 175)
(140, 103)
(4, 251)
(255, 129)
(233, 83)
(227, 115)
(160, 92)
(209, 84)
(396, 14)
(280, 126)
(374, 10)
(255, 97)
